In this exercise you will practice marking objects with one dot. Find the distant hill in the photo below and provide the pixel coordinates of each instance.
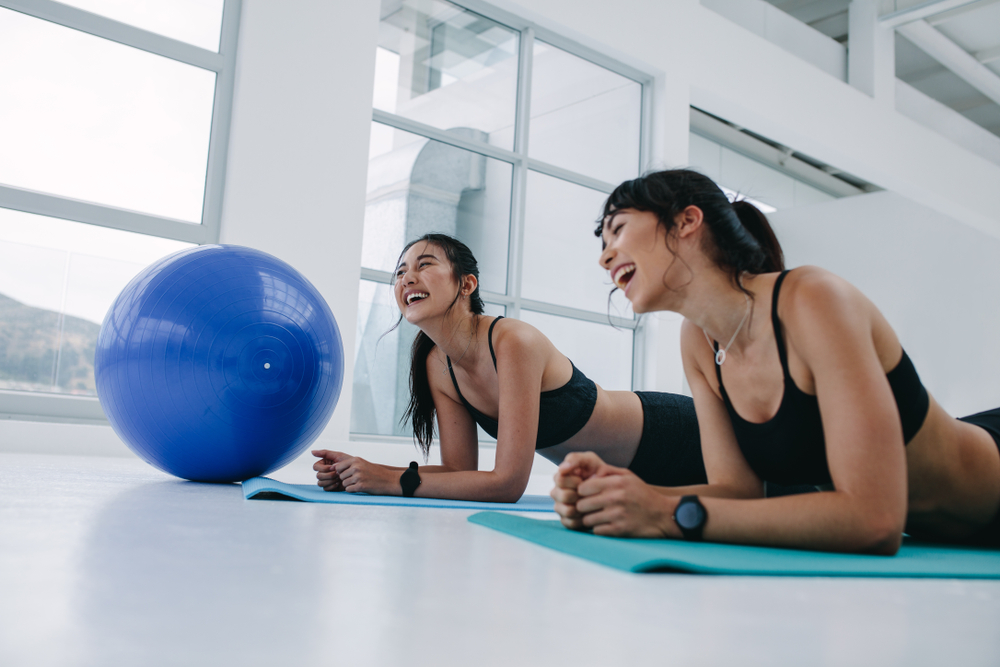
(28, 345)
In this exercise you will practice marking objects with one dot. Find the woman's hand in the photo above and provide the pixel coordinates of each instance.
(326, 473)
(356, 475)
(590, 494)
(575, 469)
(619, 504)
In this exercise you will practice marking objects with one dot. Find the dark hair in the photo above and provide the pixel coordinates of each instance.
(420, 410)
(742, 239)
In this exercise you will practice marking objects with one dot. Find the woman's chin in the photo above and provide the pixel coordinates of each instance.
(414, 316)
(638, 306)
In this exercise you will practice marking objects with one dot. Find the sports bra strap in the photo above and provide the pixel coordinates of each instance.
(454, 380)
(776, 324)
(489, 336)
(492, 353)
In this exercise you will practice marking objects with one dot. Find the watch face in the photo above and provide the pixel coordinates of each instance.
(690, 514)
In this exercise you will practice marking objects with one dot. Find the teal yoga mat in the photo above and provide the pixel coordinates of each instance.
(635, 555)
(263, 488)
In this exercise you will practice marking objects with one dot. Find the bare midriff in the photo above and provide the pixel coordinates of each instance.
(952, 473)
(613, 431)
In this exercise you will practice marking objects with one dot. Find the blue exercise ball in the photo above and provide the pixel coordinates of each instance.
(219, 363)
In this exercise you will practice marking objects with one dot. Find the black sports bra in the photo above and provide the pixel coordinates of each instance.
(562, 412)
(790, 447)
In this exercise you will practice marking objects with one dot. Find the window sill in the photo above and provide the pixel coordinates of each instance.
(36, 406)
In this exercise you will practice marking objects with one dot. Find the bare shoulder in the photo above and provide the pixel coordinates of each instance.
(812, 295)
(828, 320)
(519, 337)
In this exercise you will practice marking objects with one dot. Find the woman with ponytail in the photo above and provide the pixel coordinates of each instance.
(505, 375)
(797, 378)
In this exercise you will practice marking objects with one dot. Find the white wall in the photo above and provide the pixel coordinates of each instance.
(776, 26)
(935, 279)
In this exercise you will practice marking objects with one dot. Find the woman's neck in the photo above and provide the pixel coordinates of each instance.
(456, 336)
(720, 308)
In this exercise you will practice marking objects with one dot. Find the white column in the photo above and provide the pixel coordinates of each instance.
(871, 53)
(298, 149)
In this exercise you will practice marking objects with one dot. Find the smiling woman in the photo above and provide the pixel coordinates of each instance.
(814, 388)
(526, 394)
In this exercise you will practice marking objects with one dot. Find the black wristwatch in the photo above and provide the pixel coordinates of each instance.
(410, 480)
(690, 516)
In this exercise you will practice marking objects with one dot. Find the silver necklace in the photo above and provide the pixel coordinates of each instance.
(720, 354)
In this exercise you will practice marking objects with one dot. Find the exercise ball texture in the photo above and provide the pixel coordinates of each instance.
(219, 363)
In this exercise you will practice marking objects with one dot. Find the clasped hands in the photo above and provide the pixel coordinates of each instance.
(592, 495)
(336, 471)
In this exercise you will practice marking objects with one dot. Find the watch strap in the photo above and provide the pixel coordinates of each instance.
(410, 480)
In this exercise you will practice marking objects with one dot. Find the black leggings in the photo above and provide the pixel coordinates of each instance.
(989, 421)
(669, 452)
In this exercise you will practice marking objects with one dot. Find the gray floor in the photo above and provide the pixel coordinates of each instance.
(106, 561)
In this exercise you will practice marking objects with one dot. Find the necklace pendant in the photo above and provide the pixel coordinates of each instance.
(720, 356)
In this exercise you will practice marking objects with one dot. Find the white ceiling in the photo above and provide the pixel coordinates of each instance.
(975, 27)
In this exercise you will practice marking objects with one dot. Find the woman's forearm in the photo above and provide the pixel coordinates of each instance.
(481, 485)
(423, 469)
(710, 491)
(826, 520)
(865, 521)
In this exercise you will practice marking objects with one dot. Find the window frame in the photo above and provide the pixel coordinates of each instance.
(40, 406)
(521, 164)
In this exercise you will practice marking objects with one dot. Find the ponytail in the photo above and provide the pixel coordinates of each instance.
(756, 223)
(740, 240)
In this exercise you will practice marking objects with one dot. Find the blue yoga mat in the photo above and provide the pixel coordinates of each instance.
(263, 488)
(638, 555)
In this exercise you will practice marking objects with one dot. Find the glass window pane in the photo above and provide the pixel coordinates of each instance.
(447, 67)
(197, 22)
(584, 117)
(494, 310)
(560, 250)
(602, 352)
(416, 186)
(57, 280)
(30, 332)
(381, 364)
(90, 119)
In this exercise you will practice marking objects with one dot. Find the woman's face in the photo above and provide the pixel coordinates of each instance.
(636, 256)
(425, 283)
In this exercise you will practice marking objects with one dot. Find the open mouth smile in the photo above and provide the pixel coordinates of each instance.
(415, 296)
(623, 274)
